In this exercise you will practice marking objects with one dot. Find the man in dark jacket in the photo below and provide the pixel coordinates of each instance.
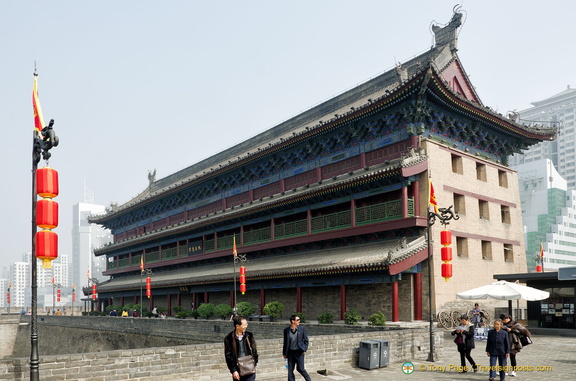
(295, 345)
(240, 343)
(498, 348)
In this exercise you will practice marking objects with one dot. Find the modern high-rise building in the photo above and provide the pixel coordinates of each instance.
(549, 215)
(86, 237)
(557, 110)
(547, 179)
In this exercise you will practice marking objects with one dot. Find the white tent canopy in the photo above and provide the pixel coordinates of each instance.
(504, 290)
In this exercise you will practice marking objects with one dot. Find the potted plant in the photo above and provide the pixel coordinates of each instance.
(223, 311)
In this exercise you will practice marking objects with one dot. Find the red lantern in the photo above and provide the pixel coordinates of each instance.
(446, 237)
(73, 296)
(538, 268)
(47, 182)
(446, 253)
(242, 270)
(148, 287)
(93, 292)
(8, 298)
(58, 295)
(46, 247)
(447, 271)
(242, 278)
(242, 288)
(47, 213)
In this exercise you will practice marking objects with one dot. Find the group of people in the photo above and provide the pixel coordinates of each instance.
(504, 341)
(125, 313)
(240, 343)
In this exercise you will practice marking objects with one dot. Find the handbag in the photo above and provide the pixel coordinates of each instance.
(246, 365)
(525, 340)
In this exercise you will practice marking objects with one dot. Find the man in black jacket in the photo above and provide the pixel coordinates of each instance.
(239, 343)
(295, 345)
(498, 348)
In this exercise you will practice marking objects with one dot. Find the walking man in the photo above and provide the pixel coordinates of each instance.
(294, 348)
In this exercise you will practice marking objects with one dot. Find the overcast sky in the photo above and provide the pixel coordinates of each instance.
(141, 85)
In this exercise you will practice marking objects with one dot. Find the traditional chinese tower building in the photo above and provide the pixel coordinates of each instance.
(330, 207)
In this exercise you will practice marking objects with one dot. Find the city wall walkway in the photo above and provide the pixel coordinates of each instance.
(548, 358)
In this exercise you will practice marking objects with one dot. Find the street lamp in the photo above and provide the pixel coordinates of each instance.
(43, 140)
(142, 272)
(91, 282)
(238, 258)
(444, 215)
(54, 286)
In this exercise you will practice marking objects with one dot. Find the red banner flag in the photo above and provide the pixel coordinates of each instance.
(234, 248)
(541, 251)
(433, 201)
(38, 117)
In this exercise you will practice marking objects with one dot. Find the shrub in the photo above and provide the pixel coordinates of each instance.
(351, 317)
(326, 318)
(177, 309)
(302, 316)
(194, 314)
(182, 314)
(245, 309)
(223, 311)
(274, 309)
(377, 319)
(206, 310)
(113, 307)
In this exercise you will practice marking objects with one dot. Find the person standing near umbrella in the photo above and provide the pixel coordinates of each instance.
(498, 349)
(515, 331)
(465, 342)
(476, 317)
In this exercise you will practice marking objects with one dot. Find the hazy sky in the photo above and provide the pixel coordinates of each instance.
(141, 85)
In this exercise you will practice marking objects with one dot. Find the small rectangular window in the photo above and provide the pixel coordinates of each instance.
(487, 250)
(481, 171)
(508, 253)
(505, 212)
(462, 247)
(457, 164)
(503, 178)
(459, 204)
(483, 210)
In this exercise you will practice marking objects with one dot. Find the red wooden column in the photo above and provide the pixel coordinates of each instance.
(395, 301)
(416, 195)
(122, 301)
(206, 297)
(232, 299)
(135, 299)
(404, 201)
(417, 277)
(353, 213)
(179, 300)
(262, 300)
(342, 301)
(151, 303)
(298, 299)
(169, 305)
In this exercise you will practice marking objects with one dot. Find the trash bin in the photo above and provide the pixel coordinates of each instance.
(384, 352)
(369, 356)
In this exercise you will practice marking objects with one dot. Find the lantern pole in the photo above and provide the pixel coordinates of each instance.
(445, 215)
(238, 258)
(142, 272)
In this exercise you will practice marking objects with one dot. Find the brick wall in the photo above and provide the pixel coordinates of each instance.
(331, 347)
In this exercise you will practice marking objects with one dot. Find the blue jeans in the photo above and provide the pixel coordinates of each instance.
(296, 358)
(501, 362)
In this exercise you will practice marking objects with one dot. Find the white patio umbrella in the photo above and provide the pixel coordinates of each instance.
(504, 290)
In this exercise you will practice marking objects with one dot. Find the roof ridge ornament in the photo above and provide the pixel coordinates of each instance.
(444, 35)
